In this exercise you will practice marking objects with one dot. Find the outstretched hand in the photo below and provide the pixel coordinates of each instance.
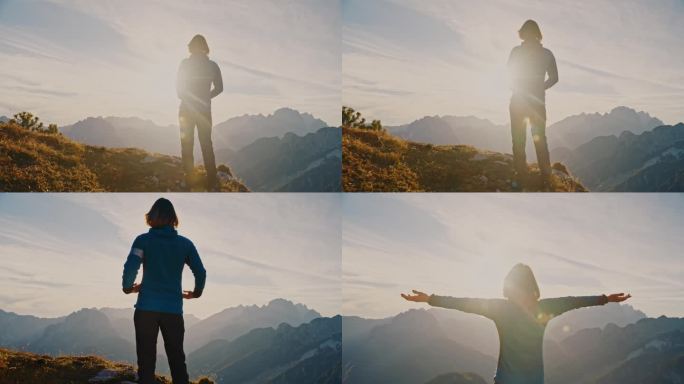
(188, 295)
(418, 297)
(618, 297)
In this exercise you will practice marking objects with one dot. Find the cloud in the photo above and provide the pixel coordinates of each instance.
(118, 60)
(255, 248)
(577, 245)
(448, 58)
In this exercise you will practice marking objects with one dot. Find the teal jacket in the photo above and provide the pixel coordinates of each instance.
(521, 333)
(163, 254)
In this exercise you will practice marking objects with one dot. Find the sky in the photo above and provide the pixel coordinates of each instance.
(405, 59)
(63, 252)
(463, 245)
(67, 60)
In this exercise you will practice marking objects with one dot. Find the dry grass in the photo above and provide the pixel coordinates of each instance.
(23, 367)
(34, 161)
(375, 161)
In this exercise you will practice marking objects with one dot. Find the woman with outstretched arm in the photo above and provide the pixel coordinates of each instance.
(520, 319)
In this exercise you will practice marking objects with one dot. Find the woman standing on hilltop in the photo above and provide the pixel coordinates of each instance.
(163, 254)
(194, 87)
(520, 319)
(528, 64)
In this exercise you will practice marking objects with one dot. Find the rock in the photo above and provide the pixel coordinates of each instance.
(110, 374)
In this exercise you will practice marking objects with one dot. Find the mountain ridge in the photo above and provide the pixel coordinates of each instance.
(568, 132)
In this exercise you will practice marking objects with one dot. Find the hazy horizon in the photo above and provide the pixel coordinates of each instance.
(66, 60)
(405, 59)
(464, 244)
(255, 248)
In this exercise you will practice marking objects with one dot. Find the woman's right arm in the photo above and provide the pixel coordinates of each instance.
(484, 307)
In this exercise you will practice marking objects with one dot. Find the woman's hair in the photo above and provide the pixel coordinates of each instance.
(198, 44)
(161, 214)
(520, 280)
(530, 30)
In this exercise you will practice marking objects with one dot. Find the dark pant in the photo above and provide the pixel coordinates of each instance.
(188, 120)
(535, 112)
(147, 326)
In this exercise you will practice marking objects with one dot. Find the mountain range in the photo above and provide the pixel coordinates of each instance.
(290, 341)
(591, 345)
(652, 161)
(622, 150)
(312, 162)
(284, 151)
(570, 132)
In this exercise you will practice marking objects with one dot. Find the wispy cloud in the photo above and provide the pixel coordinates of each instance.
(451, 56)
(64, 252)
(577, 245)
(120, 58)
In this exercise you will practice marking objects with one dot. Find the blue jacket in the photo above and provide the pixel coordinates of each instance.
(521, 333)
(163, 254)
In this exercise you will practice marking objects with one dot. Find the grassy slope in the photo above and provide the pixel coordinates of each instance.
(23, 367)
(379, 162)
(32, 161)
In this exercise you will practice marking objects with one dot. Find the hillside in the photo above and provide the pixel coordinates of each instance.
(409, 348)
(293, 163)
(309, 353)
(652, 161)
(375, 161)
(23, 367)
(42, 162)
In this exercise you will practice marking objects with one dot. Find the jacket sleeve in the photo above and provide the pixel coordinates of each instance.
(485, 307)
(195, 263)
(132, 265)
(512, 66)
(181, 82)
(552, 71)
(560, 305)
(218, 82)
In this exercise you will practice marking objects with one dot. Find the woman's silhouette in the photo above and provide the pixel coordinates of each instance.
(194, 87)
(528, 64)
(163, 254)
(520, 319)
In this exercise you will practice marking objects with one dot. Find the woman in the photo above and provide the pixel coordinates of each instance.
(529, 63)
(163, 254)
(520, 319)
(194, 87)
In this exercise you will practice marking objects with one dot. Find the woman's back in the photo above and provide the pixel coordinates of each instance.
(521, 331)
(163, 254)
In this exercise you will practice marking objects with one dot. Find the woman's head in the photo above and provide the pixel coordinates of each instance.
(198, 45)
(530, 31)
(520, 284)
(161, 214)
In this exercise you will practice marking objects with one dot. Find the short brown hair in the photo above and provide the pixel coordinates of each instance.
(161, 214)
(198, 44)
(521, 279)
(530, 30)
